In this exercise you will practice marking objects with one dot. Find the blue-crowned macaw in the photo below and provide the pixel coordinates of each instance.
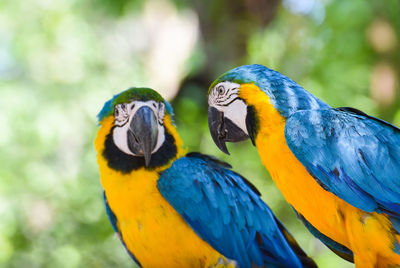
(338, 167)
(172, 210)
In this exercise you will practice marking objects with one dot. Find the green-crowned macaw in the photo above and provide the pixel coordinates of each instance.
(338, 167)
(172, 210)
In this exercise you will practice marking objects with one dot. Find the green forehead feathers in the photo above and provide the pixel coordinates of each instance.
(129, 95)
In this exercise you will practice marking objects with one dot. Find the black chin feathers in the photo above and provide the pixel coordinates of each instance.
(252, 123)
(126, 163)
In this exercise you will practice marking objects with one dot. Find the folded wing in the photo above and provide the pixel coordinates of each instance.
(351, 154)
(225, 210)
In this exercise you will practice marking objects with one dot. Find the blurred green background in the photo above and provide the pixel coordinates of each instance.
(61, 60)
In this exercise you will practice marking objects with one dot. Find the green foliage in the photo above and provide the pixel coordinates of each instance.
(61, 60)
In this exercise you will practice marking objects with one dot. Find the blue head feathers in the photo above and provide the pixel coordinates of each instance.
(285, 94)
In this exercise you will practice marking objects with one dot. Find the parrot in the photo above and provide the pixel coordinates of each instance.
(339, 168)
(176, 209)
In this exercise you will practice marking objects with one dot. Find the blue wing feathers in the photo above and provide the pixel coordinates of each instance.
(355, 156)
(224, 210)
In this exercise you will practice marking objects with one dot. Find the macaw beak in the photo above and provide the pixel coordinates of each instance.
(143, 133)
(223, 130)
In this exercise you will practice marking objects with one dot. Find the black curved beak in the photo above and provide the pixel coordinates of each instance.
(223, 129)
(217, 128)
(143, 133)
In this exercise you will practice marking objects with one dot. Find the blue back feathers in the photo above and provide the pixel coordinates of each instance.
(285, 94)
(224, 210)
(353, 155)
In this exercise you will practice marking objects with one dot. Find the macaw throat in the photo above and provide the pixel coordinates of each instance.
(223, 130)
(126, 163)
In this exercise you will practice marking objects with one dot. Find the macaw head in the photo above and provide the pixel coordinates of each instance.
(228, 116)
(239, 98)
(138, 129)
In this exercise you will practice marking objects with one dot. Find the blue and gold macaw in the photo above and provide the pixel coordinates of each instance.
(171, 210)
(338, 167)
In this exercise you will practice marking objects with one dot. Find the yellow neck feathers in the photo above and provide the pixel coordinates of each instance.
(269, 117)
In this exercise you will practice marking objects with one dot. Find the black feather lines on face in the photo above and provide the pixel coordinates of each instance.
(126, 163)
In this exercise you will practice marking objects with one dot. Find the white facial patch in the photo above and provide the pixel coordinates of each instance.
(224, 97)
(121, 114)
(120, 131)
(120, 138)
(237, 112)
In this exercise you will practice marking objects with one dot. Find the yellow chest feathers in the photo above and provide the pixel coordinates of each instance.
(151, 229)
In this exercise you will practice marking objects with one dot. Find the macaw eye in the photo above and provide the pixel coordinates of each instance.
(116, 112)
(220, 90)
